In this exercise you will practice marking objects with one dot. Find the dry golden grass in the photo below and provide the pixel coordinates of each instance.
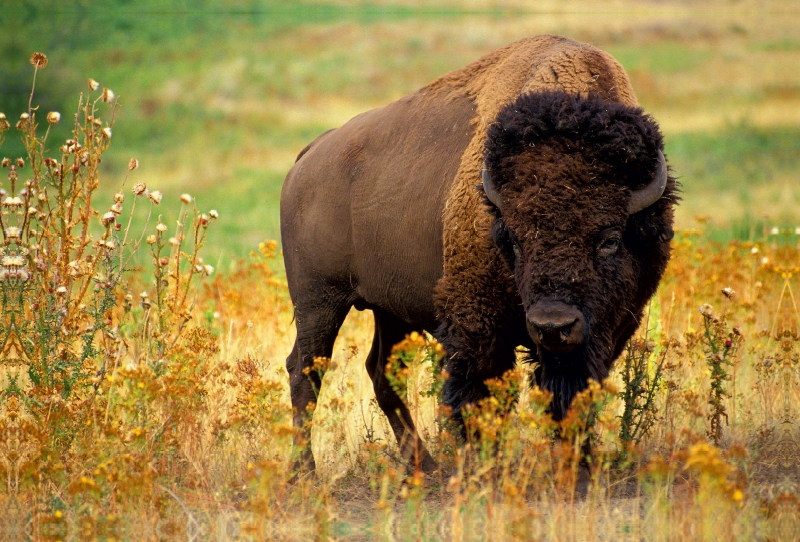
(167, 415)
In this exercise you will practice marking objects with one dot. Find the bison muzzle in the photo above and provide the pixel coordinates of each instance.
(523, 200)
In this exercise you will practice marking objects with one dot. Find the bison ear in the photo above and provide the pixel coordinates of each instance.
(491, 190)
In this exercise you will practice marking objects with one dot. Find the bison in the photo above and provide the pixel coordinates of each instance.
(523, 200)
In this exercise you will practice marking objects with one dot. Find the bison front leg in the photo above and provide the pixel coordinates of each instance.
(473, 357)
(480, 315)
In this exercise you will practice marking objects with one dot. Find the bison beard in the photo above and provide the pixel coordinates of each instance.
(560, 256)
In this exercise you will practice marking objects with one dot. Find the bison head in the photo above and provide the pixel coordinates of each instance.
(583, 206)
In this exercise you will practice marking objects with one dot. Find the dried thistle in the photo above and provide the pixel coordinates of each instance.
(39, 60)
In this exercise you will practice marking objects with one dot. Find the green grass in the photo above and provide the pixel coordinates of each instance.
(779, 45)
(218, 98)
(248, 209)
(742, 156)
(662, 57)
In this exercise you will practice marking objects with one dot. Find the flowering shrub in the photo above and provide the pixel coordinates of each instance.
(100, 393)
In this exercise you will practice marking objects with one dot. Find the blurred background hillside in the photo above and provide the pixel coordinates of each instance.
(217, 97)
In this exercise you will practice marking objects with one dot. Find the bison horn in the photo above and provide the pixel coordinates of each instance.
(647, 196)
(492, 194)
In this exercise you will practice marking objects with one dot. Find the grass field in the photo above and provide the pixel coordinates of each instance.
(166, 416)
(224, 122)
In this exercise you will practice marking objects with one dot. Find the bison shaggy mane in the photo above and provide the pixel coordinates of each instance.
(622, 137)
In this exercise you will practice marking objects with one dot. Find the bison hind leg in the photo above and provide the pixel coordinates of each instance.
(390, 330)
(317, 325)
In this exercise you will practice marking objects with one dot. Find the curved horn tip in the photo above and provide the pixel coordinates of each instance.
(492, 194)
(645, 197)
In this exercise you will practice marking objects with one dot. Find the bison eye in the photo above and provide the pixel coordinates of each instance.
(610, 245)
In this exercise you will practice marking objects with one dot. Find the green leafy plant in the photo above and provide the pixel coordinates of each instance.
(720, 346)
(641, 379)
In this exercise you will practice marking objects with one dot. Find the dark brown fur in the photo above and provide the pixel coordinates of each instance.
(385, 213)
(565, 166)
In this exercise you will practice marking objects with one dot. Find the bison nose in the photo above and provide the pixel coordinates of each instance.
(556, 326)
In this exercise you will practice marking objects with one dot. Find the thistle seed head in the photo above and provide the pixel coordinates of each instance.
(39, 60)
(728, 292)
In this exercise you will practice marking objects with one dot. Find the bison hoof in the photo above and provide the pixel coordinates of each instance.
(428, 465)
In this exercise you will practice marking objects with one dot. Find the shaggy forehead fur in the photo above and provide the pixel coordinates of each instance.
(621, 138)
